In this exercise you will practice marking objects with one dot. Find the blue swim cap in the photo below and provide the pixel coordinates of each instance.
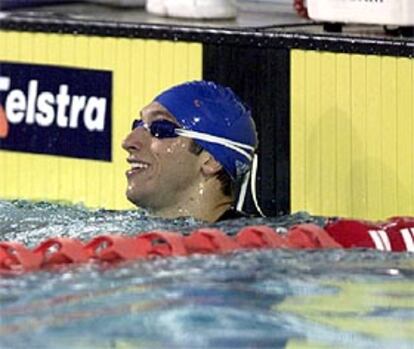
(208, 108)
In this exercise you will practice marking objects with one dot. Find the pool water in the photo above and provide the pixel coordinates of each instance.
(246, 299)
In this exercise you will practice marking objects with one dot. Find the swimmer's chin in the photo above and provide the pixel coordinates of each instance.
(182, 215)
(139, 205)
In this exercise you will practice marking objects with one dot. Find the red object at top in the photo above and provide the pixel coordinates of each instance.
(300, 7)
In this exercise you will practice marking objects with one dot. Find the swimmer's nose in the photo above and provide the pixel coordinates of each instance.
(127, 143)
(134, 140)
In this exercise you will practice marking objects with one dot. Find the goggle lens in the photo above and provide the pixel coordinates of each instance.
(158, 128)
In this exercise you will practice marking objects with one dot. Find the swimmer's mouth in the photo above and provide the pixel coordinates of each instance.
(136, 166)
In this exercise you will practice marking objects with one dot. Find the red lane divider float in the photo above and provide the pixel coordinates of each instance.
(161, 244)
(261, 236)
(209, 240)
(16, 257)
(310, 235)
(396, 234)
(112, 248)
(61, 251)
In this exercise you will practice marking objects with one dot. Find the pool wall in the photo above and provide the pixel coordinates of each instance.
(352, 134)
(335, 113)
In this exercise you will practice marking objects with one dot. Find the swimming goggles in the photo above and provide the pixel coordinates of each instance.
(158, 128)
(167, 129)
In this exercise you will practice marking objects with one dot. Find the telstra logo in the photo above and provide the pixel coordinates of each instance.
(56, 110)
(44, 108)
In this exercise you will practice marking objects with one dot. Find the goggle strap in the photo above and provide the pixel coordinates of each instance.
(217, 140)
(253, 178)
(252, 175)
(243, 191)
(202, 134)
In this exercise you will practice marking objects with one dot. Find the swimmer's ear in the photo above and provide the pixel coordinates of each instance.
(209, 165)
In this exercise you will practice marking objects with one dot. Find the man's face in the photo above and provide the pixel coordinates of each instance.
(162, 171)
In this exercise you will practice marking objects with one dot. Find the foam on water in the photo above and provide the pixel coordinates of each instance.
(250, 299)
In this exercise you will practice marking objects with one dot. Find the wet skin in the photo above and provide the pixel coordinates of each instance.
(163, 174)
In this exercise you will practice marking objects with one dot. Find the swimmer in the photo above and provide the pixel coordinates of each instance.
(189, 150)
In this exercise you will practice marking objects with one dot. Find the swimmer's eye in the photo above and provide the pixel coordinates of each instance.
(158, 128)
(137, 123)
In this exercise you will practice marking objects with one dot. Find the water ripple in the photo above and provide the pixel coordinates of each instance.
(245, 299)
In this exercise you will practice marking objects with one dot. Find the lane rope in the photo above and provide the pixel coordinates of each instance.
(15, 258)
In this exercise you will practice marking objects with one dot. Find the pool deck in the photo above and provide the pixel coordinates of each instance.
(274, 25)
